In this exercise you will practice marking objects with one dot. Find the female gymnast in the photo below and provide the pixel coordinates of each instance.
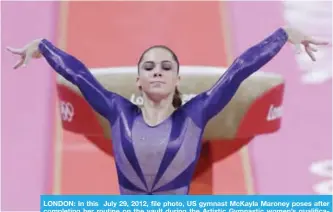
(156, 147)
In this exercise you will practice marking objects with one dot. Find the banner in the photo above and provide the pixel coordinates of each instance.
(176, 203)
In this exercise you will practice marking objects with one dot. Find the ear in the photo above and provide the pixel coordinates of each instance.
(138, 84)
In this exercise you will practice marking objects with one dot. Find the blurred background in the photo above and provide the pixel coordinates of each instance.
(38, 157)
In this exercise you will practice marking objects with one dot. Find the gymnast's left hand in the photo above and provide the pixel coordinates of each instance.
(297, 38)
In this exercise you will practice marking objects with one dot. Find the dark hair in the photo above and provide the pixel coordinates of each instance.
(177, 100)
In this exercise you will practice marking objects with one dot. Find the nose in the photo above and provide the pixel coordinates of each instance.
(157, 72)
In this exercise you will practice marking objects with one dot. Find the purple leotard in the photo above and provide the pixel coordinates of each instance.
(160, 159)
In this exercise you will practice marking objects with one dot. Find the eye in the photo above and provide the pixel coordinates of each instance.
(166, 65)
(148, 66)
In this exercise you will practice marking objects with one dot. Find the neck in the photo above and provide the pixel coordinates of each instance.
(155, 112)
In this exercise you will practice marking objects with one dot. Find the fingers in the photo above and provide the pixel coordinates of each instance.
(22, 62)
(317, 42)
(311, 48)
(310, 53)
(18, 52)
(15, 51)
(18, 64)
(26, 60)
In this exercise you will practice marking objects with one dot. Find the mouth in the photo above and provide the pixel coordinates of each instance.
(157, 82)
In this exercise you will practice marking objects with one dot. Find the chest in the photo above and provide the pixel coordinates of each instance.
(168, 148)
(152, 144)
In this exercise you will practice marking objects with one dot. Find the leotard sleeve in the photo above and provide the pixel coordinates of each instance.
(102, 101)
(211, 102)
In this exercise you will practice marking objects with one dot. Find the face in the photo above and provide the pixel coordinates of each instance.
(158, 73)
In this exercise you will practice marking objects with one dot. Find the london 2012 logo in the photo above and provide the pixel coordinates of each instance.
(66, 111)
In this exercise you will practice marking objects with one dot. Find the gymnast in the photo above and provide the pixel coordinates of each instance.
(157, 146)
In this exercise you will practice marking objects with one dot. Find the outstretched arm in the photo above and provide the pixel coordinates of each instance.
(75, 71)
(216, 98)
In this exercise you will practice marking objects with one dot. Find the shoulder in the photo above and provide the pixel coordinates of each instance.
(193, 109)
(123, 104)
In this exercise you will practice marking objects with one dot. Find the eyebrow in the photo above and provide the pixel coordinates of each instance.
(163, 61)
(148, 63)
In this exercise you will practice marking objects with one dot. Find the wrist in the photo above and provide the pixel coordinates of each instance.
(286, 30)
(38, 41)
(38, 48)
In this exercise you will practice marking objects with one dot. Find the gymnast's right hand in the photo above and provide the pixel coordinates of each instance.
(29, 51)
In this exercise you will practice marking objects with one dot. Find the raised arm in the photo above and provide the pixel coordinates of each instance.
(102, 101)
(216, 98)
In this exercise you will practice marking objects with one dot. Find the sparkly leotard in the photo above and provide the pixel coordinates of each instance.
(160, 159)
